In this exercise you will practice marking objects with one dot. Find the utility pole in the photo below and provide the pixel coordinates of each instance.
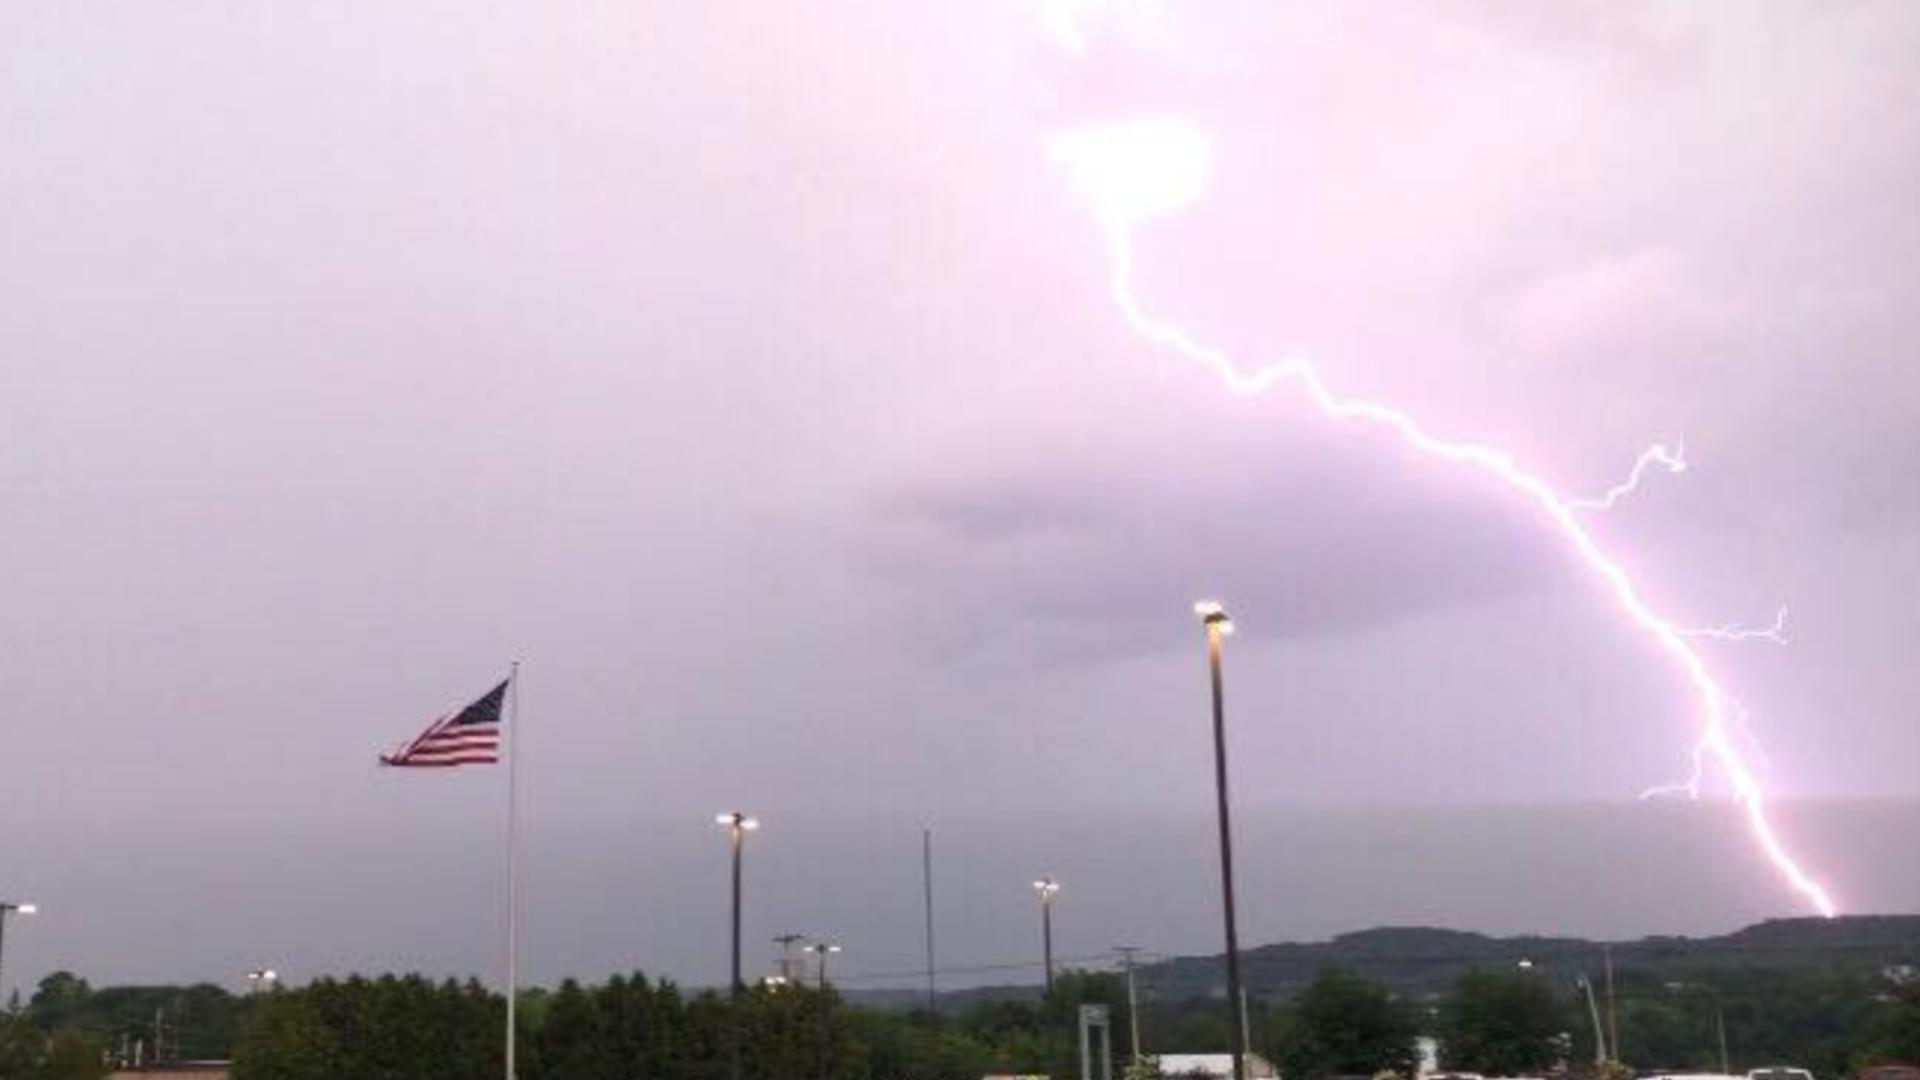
(1133, 1002)
(786, 943)
(1599, 1040)
(1720, 1022)
(1246, 1033)
(926, 879)
(1613, 1019)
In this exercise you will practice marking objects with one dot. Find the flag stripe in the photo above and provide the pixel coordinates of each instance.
(456, 748)
(460, 739)
(468, 737)
(455, 744)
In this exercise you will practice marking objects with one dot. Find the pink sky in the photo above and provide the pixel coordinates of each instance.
(750, 376)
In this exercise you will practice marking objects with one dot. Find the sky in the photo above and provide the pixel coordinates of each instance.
(750, 376)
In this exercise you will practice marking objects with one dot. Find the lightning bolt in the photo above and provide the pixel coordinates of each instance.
(1689, 788)
(1136, 170)
(1674, 461)
(1775, 632)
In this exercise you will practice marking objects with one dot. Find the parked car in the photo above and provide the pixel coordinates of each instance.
(1889, 1072)
(1779, 1072)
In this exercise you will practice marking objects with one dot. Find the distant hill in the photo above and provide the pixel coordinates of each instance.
(1414, 961)
(1417, 960)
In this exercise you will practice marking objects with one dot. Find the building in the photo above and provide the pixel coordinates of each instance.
(1214, 1066)
(174, 1070)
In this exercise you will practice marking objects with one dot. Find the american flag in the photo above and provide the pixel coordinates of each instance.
(468, 737)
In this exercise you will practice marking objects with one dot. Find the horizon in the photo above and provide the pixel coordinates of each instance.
(666, 917)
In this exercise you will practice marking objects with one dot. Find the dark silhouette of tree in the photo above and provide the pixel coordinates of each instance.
(1344, 1025)
(1504, 1024)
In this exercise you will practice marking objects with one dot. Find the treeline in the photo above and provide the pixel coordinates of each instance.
(1522, 1023)
(1498, 1023)
(1503, 1022)
(634, 1028)
(69, 1031)
(32, 1053)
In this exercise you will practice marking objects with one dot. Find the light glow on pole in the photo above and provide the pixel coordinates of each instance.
(1132, 171)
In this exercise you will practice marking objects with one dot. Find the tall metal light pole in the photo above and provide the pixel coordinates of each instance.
(738, 825)
(1719, 1016)
(1213, 618)
(1046, 889)
(1585, 986)
(821, 950)
(1720, 1025)
(1613, 1019)
(1600, 1054)
(926, 885)
(1133, 1001)
(9, 907)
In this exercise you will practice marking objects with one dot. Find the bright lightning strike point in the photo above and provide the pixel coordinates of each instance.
(1132, 172)
(1062, 20)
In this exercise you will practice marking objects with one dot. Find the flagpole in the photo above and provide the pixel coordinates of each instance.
(513, 861)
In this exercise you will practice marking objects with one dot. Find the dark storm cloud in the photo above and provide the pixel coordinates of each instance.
(1340, 542)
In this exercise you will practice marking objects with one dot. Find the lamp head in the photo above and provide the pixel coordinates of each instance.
(1213, 615)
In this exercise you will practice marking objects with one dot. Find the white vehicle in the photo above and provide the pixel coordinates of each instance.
(1779, 1072)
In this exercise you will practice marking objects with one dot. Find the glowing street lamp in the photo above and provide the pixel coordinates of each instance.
(9, 907)
(738, 825)
(1213, 618)
(261, 978)
(821, 950)
(1045, 890)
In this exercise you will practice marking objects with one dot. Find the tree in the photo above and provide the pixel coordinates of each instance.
(59, 1001)
(1344, 1025)
(1501, 1025)
(71, 1055)
(285, 1039)
(28, 1053)
(1895, 1034)
(19, 1047)
(916, 1045)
